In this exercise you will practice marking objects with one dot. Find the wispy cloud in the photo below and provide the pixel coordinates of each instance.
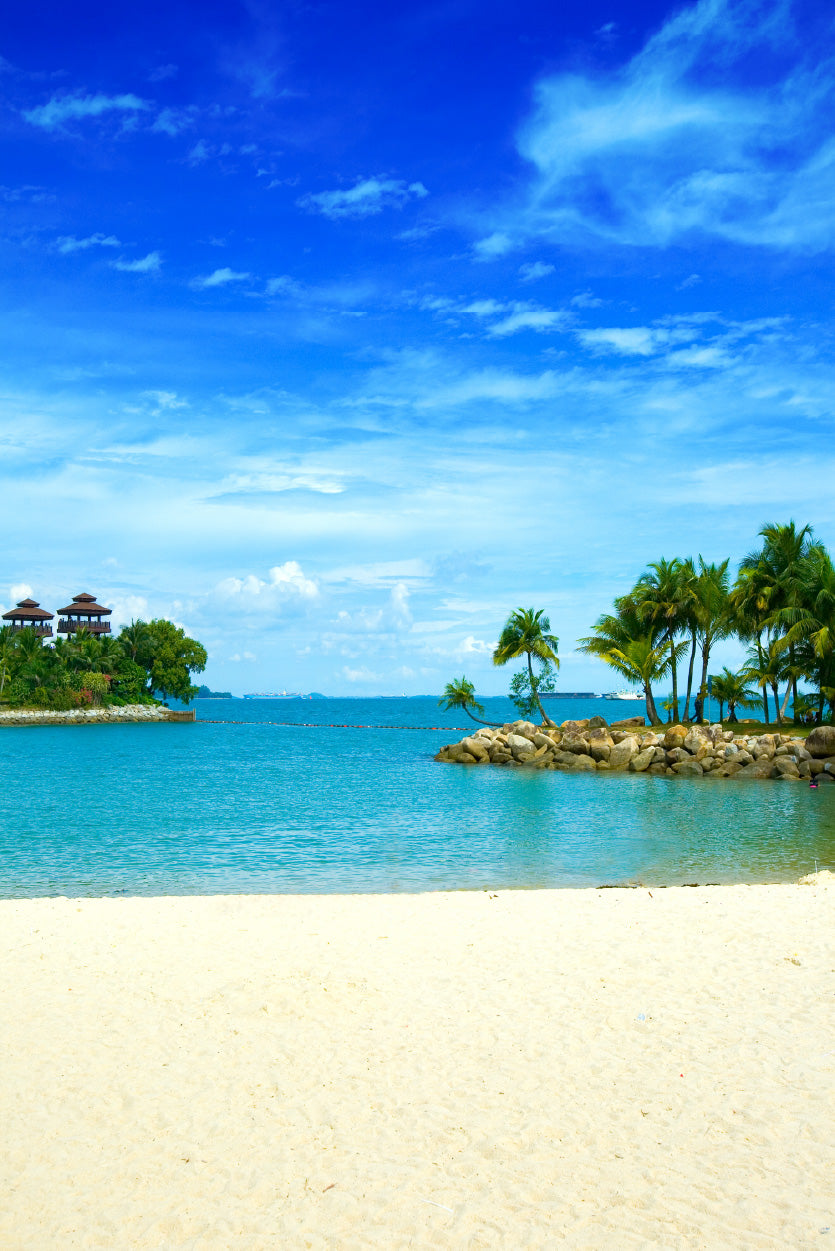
(69, 243)
(665, 149)
(68, 108)
(145, 265)
(534, 270)
(366, 198)
(221, 278)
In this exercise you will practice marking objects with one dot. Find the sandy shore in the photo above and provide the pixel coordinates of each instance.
(612, 1068)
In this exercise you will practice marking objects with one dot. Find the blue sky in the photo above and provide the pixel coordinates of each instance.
(335, 332)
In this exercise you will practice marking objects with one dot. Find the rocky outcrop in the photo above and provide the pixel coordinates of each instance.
(85, 716)
(674, 751)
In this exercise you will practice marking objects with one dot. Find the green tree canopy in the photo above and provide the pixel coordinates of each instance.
(527, 632)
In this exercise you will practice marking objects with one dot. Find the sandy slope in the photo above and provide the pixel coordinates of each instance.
(535, 1069)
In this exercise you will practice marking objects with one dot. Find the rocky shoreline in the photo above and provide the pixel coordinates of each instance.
(670, 751)
(88, 716)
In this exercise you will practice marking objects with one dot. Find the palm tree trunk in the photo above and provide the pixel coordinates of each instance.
(473, 717)
(546, 720)
(652, 711)
(776, 695)
(721, 708)
(705, 663)
(762, 669)
(690, 678)
(793, 683)
(674, 674)
(785, 701)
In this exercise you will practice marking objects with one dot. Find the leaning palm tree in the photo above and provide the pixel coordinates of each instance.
(527, 632)
(713, 614)
(461, 694)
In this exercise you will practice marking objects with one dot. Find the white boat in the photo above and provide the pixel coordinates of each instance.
(276, 695)
(633, 695)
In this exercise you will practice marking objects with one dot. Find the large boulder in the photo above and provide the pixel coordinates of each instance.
(476, 747)
(597, 723)
(688, 768)
(521, 747)
(642, 760)
(695, 740)
(757, 769)
(675, 736)
(577, 743)
(622, 752)
(628, 723)
(581, 764)
(784, 767)
(574, 727)
(821, 741)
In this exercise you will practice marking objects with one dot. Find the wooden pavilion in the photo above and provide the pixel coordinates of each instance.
(84, 614)
(29, 615)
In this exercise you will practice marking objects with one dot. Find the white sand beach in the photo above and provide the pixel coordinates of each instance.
(577, 1068)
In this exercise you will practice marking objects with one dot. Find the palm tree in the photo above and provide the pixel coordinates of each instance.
(782, 566)
(461, 694)
(7, 654)
(713, 614)
(633, 648)
(751, 602)
(732, 689)
(527, 632)
(660, 596)
(135, 638)
(810, 624)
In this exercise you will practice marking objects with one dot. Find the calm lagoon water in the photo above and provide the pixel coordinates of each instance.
(239, 803)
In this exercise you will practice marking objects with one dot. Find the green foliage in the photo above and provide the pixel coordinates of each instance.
(526, 688)
(527, 632)
(87, 669)
(461, 694)
(171, 657)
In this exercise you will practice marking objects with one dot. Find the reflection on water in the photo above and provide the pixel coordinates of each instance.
(260, 807)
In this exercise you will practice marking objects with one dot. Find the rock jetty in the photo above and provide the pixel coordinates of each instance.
(86, 716)
(670, 751)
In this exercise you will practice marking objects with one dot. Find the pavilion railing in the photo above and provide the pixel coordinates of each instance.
(71, 626)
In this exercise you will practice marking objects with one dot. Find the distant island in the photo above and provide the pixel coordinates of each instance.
(203, 692)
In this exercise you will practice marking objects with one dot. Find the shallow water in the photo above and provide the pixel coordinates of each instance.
(219, 807)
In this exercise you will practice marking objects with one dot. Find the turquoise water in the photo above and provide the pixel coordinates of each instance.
(218, 807)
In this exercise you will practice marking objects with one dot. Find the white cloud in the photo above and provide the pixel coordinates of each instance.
(69, 243)
(362, 674)
(149, 264)
(21, 590)
(221, 277)
(665, 148)
(366, 198)
(539, 319)
(285, 585)
(534, 270)
(127, 608)
(70, 108)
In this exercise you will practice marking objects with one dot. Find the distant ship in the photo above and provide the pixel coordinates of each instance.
(623, 695)
(567, 695)
(276, 695)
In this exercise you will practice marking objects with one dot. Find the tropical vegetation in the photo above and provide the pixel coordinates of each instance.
(780, 606)
(148, 661)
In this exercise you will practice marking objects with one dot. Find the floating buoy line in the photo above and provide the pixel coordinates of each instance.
(330, 725)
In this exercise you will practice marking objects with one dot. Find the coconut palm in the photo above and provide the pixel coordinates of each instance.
(713, 614)
(135, 639)
(782, 565)
(750, 599)
(810, 623)
(660, 596)
(634, 648)
(732, 689)
(461, 694)
(527, 632)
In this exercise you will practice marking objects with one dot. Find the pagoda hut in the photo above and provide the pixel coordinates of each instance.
(84, 614)
(29, 615)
